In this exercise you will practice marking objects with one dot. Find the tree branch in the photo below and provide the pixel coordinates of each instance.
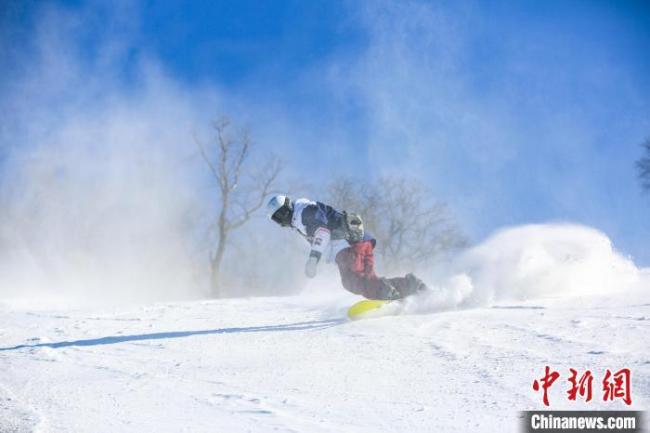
(263, 192)
(206, 158)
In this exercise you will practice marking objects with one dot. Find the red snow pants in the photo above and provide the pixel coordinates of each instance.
(357, 268)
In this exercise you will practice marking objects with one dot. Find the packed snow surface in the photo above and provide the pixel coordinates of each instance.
(279, 365)
(460, 358)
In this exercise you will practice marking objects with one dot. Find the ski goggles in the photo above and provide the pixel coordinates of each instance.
(283, 216)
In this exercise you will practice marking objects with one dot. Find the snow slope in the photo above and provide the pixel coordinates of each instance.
(462, 358)
(277, 365)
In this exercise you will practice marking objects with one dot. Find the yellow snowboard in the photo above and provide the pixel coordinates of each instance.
(369, 308)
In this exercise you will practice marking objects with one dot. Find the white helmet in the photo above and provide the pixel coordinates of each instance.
(280, 209)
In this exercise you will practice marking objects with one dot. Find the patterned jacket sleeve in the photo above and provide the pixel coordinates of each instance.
(316, 223)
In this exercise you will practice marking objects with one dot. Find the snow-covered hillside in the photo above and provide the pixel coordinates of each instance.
(278, 365)
(455, 361)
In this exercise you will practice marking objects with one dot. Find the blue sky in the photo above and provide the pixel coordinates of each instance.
(512, 112)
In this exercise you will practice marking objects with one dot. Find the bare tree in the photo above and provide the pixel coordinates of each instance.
(242, 189)
(411, 228)
(359, 197)
(643, 165)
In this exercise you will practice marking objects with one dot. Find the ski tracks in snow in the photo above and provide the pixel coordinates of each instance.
(276, 365)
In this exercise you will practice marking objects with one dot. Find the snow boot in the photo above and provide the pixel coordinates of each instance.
(415, 284)
(401, 287)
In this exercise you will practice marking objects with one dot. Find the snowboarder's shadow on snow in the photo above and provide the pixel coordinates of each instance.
(114, 339)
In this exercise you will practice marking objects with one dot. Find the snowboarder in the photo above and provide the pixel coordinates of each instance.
(321, 224)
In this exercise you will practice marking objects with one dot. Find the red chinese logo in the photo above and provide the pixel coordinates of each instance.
(615, 385)
(580, 386)
(547, 381)
(619, 386)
